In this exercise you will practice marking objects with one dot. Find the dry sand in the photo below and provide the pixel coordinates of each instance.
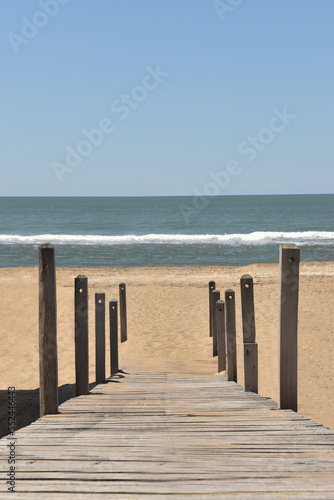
(168, 328)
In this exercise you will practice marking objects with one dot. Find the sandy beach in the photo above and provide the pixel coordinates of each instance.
(168, 328)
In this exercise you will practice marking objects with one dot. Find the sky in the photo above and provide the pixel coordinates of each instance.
(156, 97)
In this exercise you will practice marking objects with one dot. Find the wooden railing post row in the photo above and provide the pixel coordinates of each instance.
(215, 298)
(231, 343)
(248, 327)
(100, 338)
(122, 311)
(212, 286)
(81, 335)
(221, 344)
(288, 326)
(48, 358)
(113, 325)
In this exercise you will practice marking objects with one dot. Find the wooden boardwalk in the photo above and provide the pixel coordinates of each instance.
(163, 435)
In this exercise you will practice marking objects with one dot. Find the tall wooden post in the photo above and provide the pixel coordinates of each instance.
(81, 335)
(220, 311)
(48, 361)
(288, 325)
(215, 298)
(100, 338)
(248, 327)
(113, 320)
(212, 286)
(231, 342)
(122, 311)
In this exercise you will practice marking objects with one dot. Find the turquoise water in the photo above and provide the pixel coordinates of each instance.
(165, 231)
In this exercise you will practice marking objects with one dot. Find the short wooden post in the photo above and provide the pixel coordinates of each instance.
(288, 325)
(231, 342)
(48, 361)
(113, 321)
(81, 335)
(220, 311)
(212, 286)
(100, 338)
(247, 306)
(122, 311)
(251, 367)
(215, 298)
(248, 328)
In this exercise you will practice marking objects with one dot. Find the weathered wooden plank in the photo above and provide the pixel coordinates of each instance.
(221, 344)
(122, 312)
(215, 298)
(154, 435)
(113, 324)
(212, 286)
(100, 338)
(48, 361)
(81, 335)
(288, 324)
(247, 308)
(231, 345)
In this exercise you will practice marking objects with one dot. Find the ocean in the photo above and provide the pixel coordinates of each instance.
(165, 231)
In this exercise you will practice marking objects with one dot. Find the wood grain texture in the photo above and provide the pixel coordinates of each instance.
(212, 287)
(288, 325)
(215, 298)
(163, 435)
(251, 367)
(247, 308)
(48, 358)
(113, 330)
(122, 312)
(231, 342)
(100, 338)
(81, 335)
(221, 343)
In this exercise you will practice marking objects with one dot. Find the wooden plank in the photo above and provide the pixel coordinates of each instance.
(251, 367)
(231, 344)
(100, 338)
(155, 434)
(215, 298)
(48, 361)
(122, 311)
(221, 344)
(212, 286)
(247, 308)
(81, 335)
(288, 325)
(113, 328)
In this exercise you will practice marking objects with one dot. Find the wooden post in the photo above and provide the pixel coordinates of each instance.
(247, 306)
(113, 337)
(250, 367)
(212, 286)
(248, 328)
(220, 311)
(215, 298)
(100, 338)
(122, 311)
(48, 361)
(81, 335)
(231, 342)
(288, 325)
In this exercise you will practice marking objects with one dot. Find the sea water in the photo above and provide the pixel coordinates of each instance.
(165, 231)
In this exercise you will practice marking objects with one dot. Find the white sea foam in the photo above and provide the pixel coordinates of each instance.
(251, 239)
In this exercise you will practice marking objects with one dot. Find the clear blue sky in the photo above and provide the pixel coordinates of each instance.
(181, 88)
